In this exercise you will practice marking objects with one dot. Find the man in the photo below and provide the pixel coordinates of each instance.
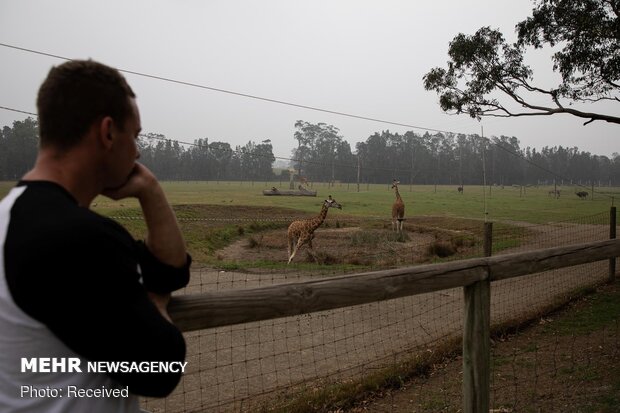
(75, 287)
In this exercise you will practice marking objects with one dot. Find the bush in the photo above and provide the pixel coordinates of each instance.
(441, 249)
(255, 243)
(321, 258)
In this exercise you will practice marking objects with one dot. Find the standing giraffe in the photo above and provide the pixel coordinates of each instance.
(398, 209)
(302, 231)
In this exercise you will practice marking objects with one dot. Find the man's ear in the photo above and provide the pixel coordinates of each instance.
(106, 131)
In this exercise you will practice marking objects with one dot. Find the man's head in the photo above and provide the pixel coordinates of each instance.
(77, 93)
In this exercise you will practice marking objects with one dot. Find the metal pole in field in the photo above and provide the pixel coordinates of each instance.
(612, 235)
(358, 172)
(484, 175)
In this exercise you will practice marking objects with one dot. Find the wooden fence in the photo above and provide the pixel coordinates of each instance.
(222, 308)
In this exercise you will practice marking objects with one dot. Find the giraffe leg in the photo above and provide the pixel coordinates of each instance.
(300, 242)
(290, 258)
(289, 246)
(310, 248)
(292, 249)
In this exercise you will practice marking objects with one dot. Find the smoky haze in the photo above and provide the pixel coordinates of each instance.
(365, 58)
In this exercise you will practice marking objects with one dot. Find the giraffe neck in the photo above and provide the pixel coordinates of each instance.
(318, 220)
(398, 198)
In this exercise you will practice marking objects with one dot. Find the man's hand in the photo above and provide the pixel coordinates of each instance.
(163, 238)
(138, 183)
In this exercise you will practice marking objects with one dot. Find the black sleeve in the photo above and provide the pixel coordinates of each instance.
(159, 277)
(85, 287)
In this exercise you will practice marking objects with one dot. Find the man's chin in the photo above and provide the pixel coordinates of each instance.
(115, 186)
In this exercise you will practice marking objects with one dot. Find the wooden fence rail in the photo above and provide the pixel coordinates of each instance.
(222, 308)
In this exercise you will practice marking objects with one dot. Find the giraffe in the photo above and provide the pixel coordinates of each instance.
(302, 231)
(303, 183)
(398, 209)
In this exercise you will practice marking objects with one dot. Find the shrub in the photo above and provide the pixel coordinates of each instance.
(321, 257)
(255, 243)
(442, 249)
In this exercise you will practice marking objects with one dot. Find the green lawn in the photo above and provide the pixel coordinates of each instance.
(531, 204)
(208, 227)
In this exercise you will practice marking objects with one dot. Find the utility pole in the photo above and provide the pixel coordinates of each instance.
(358, 172)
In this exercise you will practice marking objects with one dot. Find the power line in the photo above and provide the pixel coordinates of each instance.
(19, 111)
(246, 95)
(272, 101)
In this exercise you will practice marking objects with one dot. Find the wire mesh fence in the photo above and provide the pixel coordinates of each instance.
(279, 364)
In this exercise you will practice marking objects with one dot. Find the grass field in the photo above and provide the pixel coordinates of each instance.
(529, 204)
(215, 214)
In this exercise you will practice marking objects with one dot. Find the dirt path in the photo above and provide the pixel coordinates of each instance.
(230, 367)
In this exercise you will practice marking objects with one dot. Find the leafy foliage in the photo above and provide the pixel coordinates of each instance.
(484, 63)
(410, 157)
(321, 152)
(589, 31)
(18, 148)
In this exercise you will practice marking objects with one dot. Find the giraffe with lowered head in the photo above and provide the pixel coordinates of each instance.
(398, 209)
(302, 231)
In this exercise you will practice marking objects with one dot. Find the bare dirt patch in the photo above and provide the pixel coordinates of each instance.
(349, 245)
(340, 240)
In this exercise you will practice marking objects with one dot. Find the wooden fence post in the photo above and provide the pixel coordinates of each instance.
(476, 339)
(612, 235)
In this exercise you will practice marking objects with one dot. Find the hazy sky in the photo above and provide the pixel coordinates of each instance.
(365, 58)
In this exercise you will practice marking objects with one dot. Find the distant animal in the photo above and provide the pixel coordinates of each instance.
(555, 193)
(460, 189)
(398, 209)
(303, 183)
(302, 231)
(582, 194)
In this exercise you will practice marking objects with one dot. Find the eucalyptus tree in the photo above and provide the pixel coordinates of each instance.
(505, 165)
(316, 150)
(487, 76)
(264, 159)
(197, 163)
(615, 169)
(346, 163)
(18, 148)
(220, 156)
(376, 158)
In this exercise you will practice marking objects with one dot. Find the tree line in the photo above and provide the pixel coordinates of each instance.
(443, 158)
(323, 155)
